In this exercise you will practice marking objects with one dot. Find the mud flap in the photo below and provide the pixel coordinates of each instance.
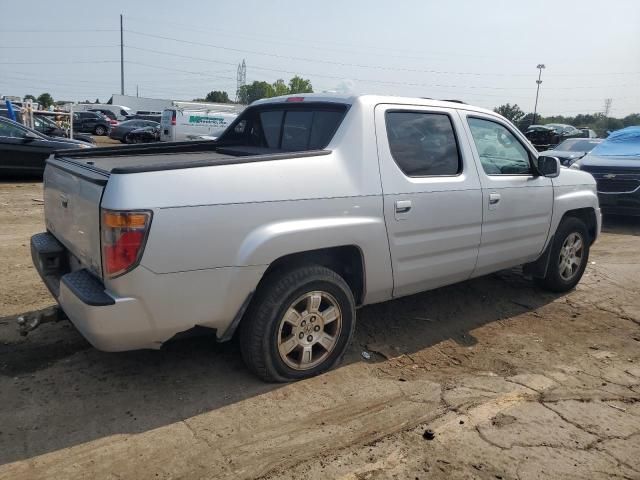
(538, 269)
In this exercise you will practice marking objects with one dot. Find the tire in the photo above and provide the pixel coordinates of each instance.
(558, 278)
(100, 130)
(271, 326)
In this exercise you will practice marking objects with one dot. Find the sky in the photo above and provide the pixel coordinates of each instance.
(481, 52)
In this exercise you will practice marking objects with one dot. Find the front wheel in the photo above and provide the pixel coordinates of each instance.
(568, 257)
(299, 324)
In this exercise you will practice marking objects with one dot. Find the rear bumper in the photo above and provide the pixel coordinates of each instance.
(108, 322)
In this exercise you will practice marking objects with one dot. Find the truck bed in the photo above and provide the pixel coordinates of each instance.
(122, 160)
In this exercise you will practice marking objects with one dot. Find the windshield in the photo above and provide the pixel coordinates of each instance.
(621, 143)
(577, 145)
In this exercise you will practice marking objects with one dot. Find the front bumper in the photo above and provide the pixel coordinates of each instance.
(108, 322)
(620, 203)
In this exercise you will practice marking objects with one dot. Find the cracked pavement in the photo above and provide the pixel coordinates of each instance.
(515, 383)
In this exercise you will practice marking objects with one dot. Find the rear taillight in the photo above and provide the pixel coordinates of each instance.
(173, 118)
(123, 237)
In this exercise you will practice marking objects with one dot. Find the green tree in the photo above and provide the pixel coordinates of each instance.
(255, 91)
(30, 97)
(217, 96)
(300, 85)
(526, 121)
(46, 100)
(280, 88)
(512, 113)
(631, 120)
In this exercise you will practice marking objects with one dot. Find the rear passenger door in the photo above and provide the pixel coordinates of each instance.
(517, 203)
(432, 196)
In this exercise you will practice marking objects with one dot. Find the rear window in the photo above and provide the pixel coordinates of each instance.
(167, 115)
(290, 128)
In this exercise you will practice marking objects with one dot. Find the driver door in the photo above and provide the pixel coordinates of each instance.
(517, 203)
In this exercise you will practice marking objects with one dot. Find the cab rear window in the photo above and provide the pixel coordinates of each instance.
(288, 128)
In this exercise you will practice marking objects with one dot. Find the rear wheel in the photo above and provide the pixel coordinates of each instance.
(100, 130)
(298, 325)
(568, 257)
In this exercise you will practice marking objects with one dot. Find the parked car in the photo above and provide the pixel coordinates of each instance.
(46, 125)
(120, 111)
(615, 164)
(122, 131)
(178, 125)
(306, 207)
(572, 149)
(111, 117)
(153, 118)
(23, 150)
(588, 133)
(545, 137)
(91, 122)
(144, 135)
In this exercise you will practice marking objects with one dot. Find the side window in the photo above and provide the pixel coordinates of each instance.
(501, 153)
(423, 144)
(10, 130)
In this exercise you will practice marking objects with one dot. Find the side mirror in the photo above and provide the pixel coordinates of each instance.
(30, 137)
(548, 166)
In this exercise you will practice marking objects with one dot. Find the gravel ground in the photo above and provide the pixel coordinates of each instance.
(512, 382)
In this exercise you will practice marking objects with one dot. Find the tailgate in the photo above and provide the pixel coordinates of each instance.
(72, 195)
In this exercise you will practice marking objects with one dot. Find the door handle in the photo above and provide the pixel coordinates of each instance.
(403, 206)
(494, 198)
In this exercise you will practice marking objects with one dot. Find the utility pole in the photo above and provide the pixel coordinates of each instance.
(540, 66)
(121, 58)
(137, 91)
(241, 78)
(607, 106)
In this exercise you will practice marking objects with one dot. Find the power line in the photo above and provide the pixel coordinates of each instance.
(363, 80)
(178, 70)
(368, 48)
(315, 60)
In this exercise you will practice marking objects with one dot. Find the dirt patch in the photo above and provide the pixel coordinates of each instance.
(514, 383)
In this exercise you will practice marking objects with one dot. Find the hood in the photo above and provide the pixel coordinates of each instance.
(571, 177)
(563, 154)
(612, 162)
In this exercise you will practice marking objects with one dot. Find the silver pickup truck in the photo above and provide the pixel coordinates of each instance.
(306, 208)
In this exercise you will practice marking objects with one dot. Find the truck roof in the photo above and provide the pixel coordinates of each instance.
(350, 99)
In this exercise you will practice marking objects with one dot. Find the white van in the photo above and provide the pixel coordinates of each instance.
(120, 111)
(178, 125)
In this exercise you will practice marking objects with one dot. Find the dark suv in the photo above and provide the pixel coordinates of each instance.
(91, 122)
